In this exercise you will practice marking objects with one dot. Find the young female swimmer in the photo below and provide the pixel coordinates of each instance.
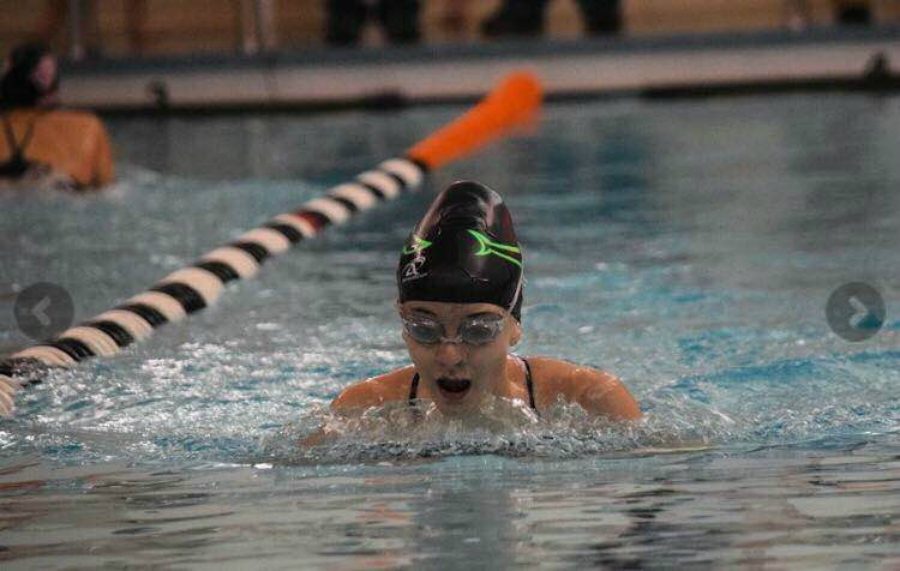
(460, 301)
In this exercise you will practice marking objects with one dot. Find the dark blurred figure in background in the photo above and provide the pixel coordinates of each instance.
(846, 13)
(525, 18)
(398, 18)
(43, 145)
(853, 12)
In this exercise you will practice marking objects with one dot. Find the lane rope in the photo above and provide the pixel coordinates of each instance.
(513, 103)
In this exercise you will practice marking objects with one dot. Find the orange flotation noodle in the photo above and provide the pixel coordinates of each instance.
(515, 102)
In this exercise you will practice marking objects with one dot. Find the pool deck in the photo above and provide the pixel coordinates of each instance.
(393, 77)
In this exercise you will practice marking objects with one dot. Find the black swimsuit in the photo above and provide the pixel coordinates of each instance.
(16, 166)
(414, 386)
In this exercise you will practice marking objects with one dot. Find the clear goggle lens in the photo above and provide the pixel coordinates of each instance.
(474, 331)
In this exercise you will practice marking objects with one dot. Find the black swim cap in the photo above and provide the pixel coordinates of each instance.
(17, 88)
(464, 250)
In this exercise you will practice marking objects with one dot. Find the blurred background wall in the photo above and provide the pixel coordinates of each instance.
(127, 28)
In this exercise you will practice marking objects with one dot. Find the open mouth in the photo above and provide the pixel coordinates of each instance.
(455, 387)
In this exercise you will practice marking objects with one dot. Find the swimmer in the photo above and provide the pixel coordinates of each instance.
(460, 301)
(42, 145)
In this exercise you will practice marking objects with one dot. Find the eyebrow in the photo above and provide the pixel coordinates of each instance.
(425, 311)
(484, 313)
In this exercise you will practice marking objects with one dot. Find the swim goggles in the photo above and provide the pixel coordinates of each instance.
(478, 330)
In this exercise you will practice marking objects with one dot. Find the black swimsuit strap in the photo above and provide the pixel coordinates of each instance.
(28, 134)
(15, 147)
(529, 383)
(413, 390)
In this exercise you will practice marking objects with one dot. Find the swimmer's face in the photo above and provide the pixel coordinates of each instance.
(458, 376)
(44, 74)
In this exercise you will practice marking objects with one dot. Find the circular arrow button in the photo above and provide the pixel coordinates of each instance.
(44, 310)
(855, 311)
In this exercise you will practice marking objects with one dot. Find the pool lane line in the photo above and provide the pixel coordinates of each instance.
(513, 103)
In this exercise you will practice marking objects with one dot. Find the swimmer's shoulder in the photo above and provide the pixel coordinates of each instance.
(595, 390)
(376, 391)
(76, 116)
(59, 126)
(62, 123)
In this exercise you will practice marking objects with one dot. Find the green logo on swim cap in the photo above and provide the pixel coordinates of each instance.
(488, 246)
(417, 247)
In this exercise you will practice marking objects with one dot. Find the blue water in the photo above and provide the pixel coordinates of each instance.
(689, 248)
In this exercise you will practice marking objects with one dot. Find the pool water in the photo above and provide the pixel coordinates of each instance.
(689, 248)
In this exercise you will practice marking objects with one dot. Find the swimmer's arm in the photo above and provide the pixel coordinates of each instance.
(320, 436)
(8, 388)
(359, 397)
(376, 391)
(352, 401)
(602, 394)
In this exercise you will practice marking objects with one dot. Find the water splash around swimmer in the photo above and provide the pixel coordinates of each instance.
(502, 427)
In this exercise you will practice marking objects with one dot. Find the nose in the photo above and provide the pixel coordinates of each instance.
(450, 354)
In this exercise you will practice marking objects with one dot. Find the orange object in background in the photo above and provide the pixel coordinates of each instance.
(74, 144)
(512, 104)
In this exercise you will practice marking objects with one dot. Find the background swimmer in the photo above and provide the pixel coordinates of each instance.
(460, 298)
(42, 145)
